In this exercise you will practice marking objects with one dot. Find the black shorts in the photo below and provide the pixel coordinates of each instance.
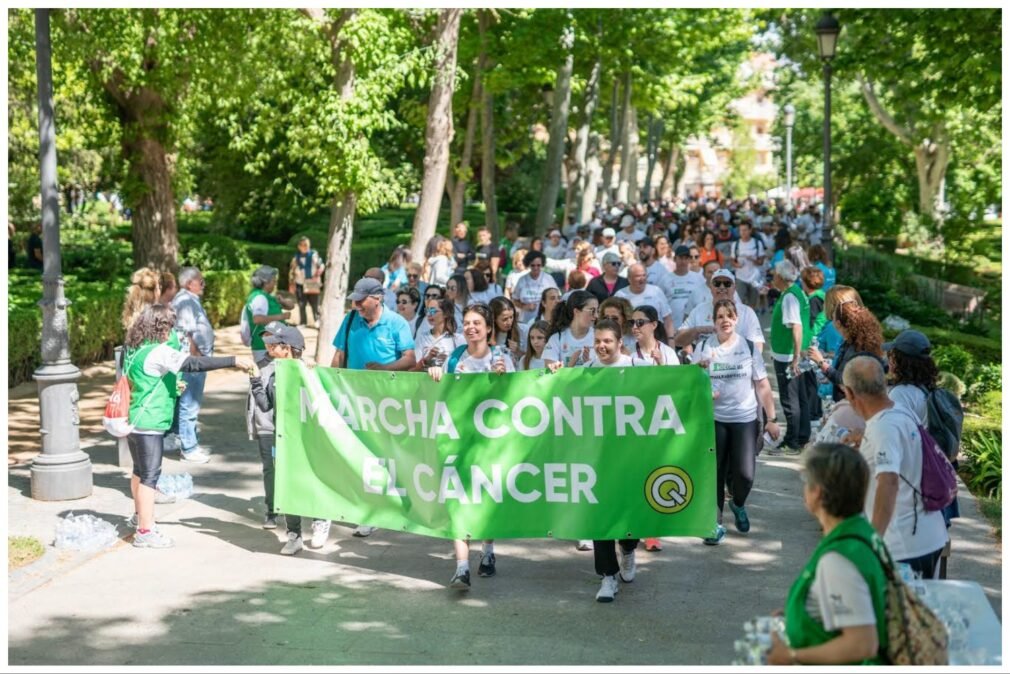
(146, 451)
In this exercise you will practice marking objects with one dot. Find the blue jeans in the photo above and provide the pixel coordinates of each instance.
(189, 408)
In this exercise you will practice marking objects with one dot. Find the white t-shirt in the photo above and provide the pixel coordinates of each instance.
(484, 296)
(747, 324)
(703, 295)
(680, 292)
(657, 275)
(472, 365)
(622, 361)
(790, 316)
(529, 290)
(839, 596)
(558, 252)
(259, 306)
(912, 398)
(512, 278)
(668, 355)
(746, 252)
(891, 444)
(561, 346)
(652, 296)
(535, 363)
(425, 342)
(440, 268)
(733, 370)
(603, 250)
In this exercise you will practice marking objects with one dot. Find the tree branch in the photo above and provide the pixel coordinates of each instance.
(882, 115)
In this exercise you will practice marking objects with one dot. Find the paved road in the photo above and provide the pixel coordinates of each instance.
(223, 596)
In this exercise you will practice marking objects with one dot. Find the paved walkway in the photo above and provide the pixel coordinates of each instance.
(223, 596)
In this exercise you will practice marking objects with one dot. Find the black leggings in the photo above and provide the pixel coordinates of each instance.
(605, 555)
(146, 451)
(735, 458)
(310, 299)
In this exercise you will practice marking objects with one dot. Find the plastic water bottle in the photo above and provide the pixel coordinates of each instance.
(84, 532)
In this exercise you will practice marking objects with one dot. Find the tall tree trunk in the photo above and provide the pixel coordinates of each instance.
(155, 235)
(571, 174)
(438, 131)
(558, 131)
(652, 154)
(338, 271)
(615, 143)
(456, 184)
(633, 191)
(589, 103)
(669, 184)
(487, 144)
(624, 181)
(590, 179)
(343, 206)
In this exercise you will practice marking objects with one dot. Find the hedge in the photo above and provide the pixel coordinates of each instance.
(983, 349)
(224, 296)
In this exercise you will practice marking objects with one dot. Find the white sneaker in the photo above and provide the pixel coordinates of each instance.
(320, 532)
(363, 531)
(582, 546)
(627, 566)
(198, 455)
(152, 539)
(608, 589)
(293, 545)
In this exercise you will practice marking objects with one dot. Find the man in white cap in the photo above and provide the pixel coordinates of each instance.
(700, 323)
(629, 232)
(682, 283)
(640, 291)
(703, 293)
(609, 244)
(372, 338)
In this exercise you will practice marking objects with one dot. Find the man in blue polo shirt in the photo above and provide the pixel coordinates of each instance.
(378, 339)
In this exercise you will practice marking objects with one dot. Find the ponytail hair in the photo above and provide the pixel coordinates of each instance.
(564, 313)
(653, 315)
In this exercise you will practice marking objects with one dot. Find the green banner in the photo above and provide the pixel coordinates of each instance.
(601, 453)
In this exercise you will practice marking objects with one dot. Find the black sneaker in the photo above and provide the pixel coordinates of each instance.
(486, 568)
(461, 581)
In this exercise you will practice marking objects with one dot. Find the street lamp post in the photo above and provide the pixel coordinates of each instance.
(790, 119)
(827, 30)
(62, 471)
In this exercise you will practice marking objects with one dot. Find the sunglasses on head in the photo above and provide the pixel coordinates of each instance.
(722, 284)
(639, 322)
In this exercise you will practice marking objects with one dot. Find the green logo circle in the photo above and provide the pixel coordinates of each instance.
(668, 489)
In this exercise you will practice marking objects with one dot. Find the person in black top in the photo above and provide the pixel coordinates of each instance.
(488, 251)
(608, 283)
(462, 251)
(34, 247)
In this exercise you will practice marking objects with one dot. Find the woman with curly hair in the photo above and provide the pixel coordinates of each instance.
(152, 367)
(863, 337)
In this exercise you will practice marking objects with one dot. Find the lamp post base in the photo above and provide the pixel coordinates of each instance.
(61, 478)
(62, 472)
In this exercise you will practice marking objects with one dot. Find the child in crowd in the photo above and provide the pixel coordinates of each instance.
(537, 340)
(261, 410)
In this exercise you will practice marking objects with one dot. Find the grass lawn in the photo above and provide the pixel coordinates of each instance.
(22, 550)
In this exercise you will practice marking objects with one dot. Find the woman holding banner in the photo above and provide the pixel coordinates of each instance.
(572, 329)
(474, 357)
(739, 381)
(433, 346)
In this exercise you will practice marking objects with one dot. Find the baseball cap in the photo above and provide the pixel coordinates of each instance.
(627, 220)
(911, 343)
(724, 273)
(682, 251)
(646, 241)
(611, 257)
(609, 233)
(273, 327)
(288, 335)
(615, 212)
(366, 287)
(554, 231)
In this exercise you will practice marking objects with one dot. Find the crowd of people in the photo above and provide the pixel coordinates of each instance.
(661, 284)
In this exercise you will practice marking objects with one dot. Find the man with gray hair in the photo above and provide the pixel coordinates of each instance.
(791, 335)
(197, 336)
(892, 446)
(261, 307)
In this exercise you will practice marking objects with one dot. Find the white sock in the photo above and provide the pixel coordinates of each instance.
(462, 567)
(487, 548)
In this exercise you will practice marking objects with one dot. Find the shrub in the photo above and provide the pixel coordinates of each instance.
(952, 383)
(986, 378)
(98, 257)
(984, 468)
(225, 295)
(952, 358)
(213, 252)
(982, 349)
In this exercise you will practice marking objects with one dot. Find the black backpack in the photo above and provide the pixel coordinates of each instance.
(944, 420)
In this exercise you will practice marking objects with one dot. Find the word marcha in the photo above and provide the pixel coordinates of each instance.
(580, 416)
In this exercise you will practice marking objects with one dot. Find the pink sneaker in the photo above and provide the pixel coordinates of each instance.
(653, 545)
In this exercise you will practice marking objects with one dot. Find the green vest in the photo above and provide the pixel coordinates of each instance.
(802, 629)
(152, 399)
(821, 319)
(273, 308)
(782, 337)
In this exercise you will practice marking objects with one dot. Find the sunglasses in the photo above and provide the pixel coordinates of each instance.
(639, 322)
(614, 264)
(431, 311)
(413, 276)
(722, 284)
(432, 296)
(695, 257)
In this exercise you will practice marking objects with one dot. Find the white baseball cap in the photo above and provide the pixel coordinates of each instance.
(609, 233)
